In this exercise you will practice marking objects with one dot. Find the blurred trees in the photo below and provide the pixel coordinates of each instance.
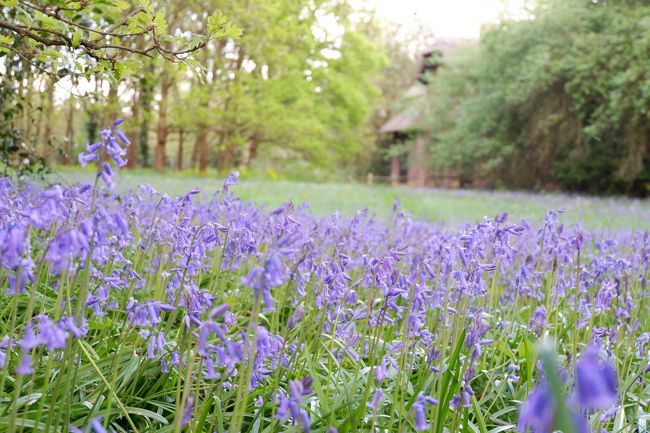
(102, 43)
(561, 99)
(296, 89)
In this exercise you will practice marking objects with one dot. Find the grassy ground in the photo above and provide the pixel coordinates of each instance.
(448, 206)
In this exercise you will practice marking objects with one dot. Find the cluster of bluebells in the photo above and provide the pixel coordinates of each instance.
(108, 145)
(250, 298)
(596, 389)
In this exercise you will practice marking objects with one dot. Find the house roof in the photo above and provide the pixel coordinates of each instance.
(404, 121)
(409, 116)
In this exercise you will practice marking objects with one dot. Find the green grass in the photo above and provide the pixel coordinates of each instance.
(448, 206)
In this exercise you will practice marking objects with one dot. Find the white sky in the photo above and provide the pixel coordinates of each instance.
(447, 18)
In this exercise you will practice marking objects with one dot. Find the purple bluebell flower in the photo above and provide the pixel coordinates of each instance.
(85, 159)
(24, 366)
(419, 407)
(219, 311)
(49, 334)
(5, 345)
(231, 180)
(376, 399)
(187, 413)
(380, 371)
(296, 316)
(96, 425)
(596, 382)
(290, 404)
(538, 411)
(538, 320)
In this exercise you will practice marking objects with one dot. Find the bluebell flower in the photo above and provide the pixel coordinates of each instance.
(538, 411)
(5, 344)
(50, 334)
(419, 407)
(596, 382)
(187, 413)
(290, 404)
(231, 180)
(96, 426)
(24, 366)
(376, 399)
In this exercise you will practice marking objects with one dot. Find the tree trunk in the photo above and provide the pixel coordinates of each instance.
(146, 94)
(417, 173)
(394, 171)
(195, 155)
(48, 112)
(68, 141)
(202, 150)
(179, 156)
(113, 104)
(163, 129)
(132, 150)
(252, 150)
(28, 121)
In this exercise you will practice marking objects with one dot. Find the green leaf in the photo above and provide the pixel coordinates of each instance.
(147, 414)
(5, 42)
(160, 22)
(502, 428)
(215, 21)
(219, 27)
(482, 427)
(76, 38)
(48, 55)
(120, 4)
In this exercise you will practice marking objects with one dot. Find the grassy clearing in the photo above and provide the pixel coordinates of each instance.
(447, 206)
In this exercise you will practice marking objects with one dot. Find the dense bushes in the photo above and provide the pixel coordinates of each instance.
(557, 100)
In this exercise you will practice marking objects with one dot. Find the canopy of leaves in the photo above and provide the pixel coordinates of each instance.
(99, 36)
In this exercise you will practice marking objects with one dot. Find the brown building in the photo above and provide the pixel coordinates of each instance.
(408, 127)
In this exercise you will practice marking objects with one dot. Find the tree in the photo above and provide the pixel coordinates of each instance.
(95, 39)
(285, 94)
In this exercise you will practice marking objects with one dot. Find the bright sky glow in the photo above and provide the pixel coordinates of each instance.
(448, 18)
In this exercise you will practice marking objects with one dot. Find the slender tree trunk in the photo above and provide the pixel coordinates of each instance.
(179, 155)
(252, 150)
(202, 150)
(28, 121)
(48, 111)
(394, 171)
(163, 129)
(132, 151)
(112, 111)
(18, 120)
(113, 103)
(227, 157)
(195, 154)
(68, 140)
(146, 94)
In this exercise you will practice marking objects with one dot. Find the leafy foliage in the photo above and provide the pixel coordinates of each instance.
(96, 40)
(558, 99)
(98, 36)
(286, 92)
